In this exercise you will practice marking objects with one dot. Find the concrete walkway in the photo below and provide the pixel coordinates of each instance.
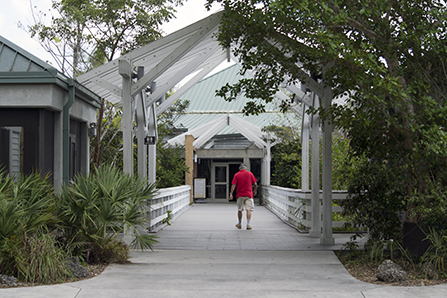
(203, 255)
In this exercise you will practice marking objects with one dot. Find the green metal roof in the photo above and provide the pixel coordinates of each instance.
(13, 59)
(205, 106)
(203, 97)
(20, 66)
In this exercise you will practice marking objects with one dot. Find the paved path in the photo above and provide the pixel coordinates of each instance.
(212, 227)
(203, 255)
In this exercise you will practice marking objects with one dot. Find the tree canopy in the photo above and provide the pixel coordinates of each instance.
(94, 32)
(388, 56)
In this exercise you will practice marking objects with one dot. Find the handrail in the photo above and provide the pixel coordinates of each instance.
(173, 199)
(294, 205)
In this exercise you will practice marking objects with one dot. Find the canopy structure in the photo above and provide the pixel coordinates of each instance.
(139, 79)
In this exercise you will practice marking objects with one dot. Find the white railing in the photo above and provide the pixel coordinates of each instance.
(294, 205)
(173, 199)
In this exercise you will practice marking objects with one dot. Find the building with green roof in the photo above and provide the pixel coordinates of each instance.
(223, 136)
(45, 117)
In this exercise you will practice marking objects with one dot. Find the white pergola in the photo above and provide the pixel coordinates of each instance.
(139, 79)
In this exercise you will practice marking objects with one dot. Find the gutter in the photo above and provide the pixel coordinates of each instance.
(66, 132)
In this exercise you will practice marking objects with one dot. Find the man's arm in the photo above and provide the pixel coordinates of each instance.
(233, 186)
(255, 190)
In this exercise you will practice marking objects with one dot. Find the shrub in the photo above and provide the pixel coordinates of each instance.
(45, 260)
(375, 200)
(95, 209)
(436, 254)
(26, 215)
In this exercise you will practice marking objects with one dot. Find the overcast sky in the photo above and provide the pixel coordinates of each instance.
(14, 12)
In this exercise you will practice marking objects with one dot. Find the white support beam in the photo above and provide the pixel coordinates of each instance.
(266, 162)
(219, 123)
(181, 74)
(326, 238)
(305, 149)
(284, 97)
(196, 132)
(145, 52)
(115, 90)
(315, 230)
(152, 154)
(175, 56)
(141, 134)
(125, 71)
(248, 130)
(303, 97)
(148, 50)
(217, 59)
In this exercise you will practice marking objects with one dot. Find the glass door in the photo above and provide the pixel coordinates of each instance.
(221, 181)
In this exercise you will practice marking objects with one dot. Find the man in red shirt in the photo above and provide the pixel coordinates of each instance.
(243, 181)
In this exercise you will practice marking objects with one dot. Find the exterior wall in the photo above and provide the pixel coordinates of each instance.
(206, 167)
(48, 96)
(38, 137)
(30, 95)
(230, 153)
(46, 102)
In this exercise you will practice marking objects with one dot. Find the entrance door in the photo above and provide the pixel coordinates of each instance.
(220, 179)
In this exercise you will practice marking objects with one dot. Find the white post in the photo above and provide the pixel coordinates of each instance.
(125, 70)
(141, 134)
(152, 156)
(305, 149)
(247, 162)
(315, 231)
(267, 160)
(327, 238)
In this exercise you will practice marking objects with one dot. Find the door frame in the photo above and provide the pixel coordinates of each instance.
(213, 181)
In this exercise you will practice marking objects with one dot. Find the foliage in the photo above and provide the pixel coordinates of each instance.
(432, 213)
(83, 34)
(94, 209)
(341, 163)
(171, 165)
(108, 149)
(45, 260)
(376, 200)
(26, 214)
(286, 158)
(386, 57)
(108, 142)
(168, 218)
(39, 231)
(436, 253)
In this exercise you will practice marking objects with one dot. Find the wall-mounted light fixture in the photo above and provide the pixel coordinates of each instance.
(92, 129)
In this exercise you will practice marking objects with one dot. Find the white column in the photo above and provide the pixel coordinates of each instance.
(247, 162)
(327, 238)
(141, 134)
(152, 160)
(315, 231)
(267, 162)
(125, 71)
(152, 154)
(305, 149)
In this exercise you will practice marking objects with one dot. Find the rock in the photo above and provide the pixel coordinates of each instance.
(391, 272)
(10, 281)
(76, 268)
(429, 271)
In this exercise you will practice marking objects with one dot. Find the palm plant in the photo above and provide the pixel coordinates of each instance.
(26, 214)
(95, 209)
(436, 253)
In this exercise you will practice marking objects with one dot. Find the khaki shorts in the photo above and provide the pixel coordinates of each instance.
(246, 202)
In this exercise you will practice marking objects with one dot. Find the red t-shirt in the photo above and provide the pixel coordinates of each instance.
(244, 181)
